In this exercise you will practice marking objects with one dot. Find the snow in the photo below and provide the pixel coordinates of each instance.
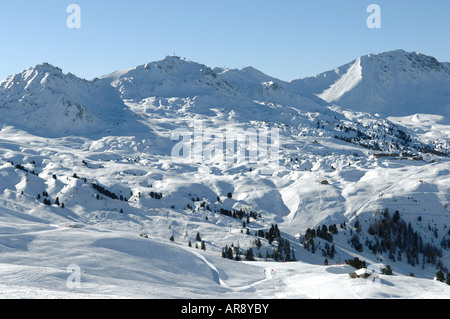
(51, 103)
(115, 131)
(151, 268)
(345, 84)
(395, 83)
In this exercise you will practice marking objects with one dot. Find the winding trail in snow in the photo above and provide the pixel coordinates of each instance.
(268, 274)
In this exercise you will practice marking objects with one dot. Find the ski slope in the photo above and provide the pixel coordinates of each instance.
(65, 138)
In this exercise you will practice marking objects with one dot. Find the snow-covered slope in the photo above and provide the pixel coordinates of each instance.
(122, 249)
(170, 77)
(48, 102)
(258, 86)
(395, 83)
(137, 223)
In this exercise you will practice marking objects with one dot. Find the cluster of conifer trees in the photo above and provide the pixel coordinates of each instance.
(282, 251)
(324, 232)
(392, 235)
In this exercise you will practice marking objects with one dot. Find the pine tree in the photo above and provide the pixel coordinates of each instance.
(387, 270)
(356, 263)
(357, 226)
(396, 216)
(229, 252)
(249, 255)
(198, 238)
(258, 243)
(440, 276)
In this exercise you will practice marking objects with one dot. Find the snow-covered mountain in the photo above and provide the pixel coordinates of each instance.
(395, 83)
(46, 101)
(93, 205)
(258, 86)
(183, 82)
(170, 77)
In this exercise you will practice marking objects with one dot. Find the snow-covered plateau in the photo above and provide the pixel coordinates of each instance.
(176, 180)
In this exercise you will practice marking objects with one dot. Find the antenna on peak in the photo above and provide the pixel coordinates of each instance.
(175, 56)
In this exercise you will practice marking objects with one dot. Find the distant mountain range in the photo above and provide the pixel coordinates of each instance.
(396, 83)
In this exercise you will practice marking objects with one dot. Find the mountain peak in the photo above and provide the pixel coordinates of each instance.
(31, 76)
(170, 77)
(393, 83)
(172, 61)
(172, 58)
(405, 61)
(44, 100)
(46, 67)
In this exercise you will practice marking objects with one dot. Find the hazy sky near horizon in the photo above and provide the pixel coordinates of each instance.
(286, 39)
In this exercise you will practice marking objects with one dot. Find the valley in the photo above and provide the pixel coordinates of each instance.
(88, 177)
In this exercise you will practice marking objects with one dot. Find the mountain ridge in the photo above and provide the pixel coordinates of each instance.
(45, 100)
(394, 83)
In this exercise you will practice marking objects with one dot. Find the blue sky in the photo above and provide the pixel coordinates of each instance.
(287, 39)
